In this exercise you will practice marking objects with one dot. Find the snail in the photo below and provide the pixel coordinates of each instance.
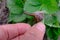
(38, 15)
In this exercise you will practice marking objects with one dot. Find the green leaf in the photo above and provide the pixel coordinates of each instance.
(58, 15)
(59, 31)
(59, 3)
(51, 20)
(50, 6)
(17, 18)
(51, 32)
(15, 6)
(31, 6)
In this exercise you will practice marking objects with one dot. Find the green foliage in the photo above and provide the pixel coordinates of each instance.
(58, 16)
(17, 18)
(53, 33)
(15, 6)
(51, 19)
(49, 6)
(16, 10)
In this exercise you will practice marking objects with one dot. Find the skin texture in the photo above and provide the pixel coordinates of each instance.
(22, 31)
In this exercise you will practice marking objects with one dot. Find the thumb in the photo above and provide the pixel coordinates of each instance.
(35, 33)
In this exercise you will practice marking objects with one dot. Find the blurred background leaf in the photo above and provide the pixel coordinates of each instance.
(49, 6)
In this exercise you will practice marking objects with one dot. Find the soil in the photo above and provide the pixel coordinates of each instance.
(3, 12)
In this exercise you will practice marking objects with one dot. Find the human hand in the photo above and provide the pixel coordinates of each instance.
(22, 31)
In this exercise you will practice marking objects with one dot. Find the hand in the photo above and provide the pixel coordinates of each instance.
(22, 31)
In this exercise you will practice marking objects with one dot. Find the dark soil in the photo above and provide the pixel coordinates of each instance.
(3, 12)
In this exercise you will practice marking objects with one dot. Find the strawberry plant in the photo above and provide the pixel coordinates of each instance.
(20, 11)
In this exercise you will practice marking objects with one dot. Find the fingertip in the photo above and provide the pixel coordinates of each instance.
(40, 26)
(36, 32)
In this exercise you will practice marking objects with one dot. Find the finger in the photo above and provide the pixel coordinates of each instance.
(34, 33)
(12, 30)
(18, 38)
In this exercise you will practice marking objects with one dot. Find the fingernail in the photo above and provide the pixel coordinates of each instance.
(40, 26)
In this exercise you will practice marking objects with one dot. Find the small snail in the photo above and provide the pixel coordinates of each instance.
(38, 15)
